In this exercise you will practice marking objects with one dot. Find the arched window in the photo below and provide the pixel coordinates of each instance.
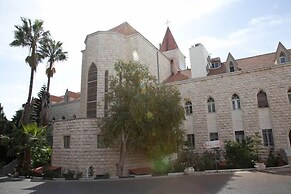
(289, 95)
(282, 58)
(235, 102)
(231, 66)
(188, 107)
(106, 81)
(211, 104)
(92, 91)
(262, 99)
(63, 117)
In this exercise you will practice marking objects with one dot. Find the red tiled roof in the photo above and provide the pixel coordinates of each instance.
(258, 61)
(169, 42)
(215, 71)
(181, 75)
(74, 94)
(124, 28)
(254, 62)
(56, 98)
(60, 99)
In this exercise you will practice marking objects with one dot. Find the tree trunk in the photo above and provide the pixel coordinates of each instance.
(25, 117)
(26, 163)
(30, 85)
(27, 106)
(48, 83)
(120, 164)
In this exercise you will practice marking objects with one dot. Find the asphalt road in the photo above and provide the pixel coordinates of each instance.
(243, 182)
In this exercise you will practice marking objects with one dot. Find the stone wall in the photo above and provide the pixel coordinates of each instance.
(83, 151)
(275, 81)
(104, 49)
(69, 110)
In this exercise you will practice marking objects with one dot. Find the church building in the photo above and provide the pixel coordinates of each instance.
(223, 100)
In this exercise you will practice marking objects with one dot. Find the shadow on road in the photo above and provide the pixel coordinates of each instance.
(179, 184)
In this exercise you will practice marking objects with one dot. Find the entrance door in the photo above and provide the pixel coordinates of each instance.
(290, 137)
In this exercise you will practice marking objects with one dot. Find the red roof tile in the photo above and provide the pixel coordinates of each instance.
(124, 29)
(56, 98)
(74, 94)
(254, 62)
(169, 42)
(181, 75)
(215, 71)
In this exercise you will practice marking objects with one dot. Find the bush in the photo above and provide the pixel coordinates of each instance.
(72, 175)
(240, 155)
(278, 158)
(161, 166)
(200, 162)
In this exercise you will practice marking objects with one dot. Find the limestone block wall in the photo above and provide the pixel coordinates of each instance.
(67, 109)
(106, 48)
(275, 81)
(83, 151)
(149, 55)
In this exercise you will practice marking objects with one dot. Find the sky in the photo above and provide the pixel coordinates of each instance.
(242, 27)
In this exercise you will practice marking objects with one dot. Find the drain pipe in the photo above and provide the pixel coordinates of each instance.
(158, 67)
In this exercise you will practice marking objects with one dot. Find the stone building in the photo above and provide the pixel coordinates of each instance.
(223, 100)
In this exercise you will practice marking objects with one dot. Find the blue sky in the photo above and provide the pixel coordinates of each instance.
(242, 27)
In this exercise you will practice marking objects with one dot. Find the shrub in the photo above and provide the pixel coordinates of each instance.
(278, 158)
(240, 155)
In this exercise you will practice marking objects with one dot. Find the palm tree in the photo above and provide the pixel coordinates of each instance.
(29, 35)
(54, 52)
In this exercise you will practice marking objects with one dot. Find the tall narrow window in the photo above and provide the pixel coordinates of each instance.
(105, 95)
(106, 105)
(231, 66)
(239, 136)
(191, 141)
(211, 105)
(289, 95)
(188, 107)
(235, 102)
(282, 58)
(67, 141)
(92, 91)
(262, 99)
(268, 137)
(106, 81)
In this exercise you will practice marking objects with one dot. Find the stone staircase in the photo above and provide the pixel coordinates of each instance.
(9, 168)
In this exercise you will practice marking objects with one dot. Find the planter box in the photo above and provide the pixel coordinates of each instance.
(260, 166)
(189, 171)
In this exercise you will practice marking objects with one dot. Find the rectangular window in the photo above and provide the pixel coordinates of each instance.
(213, 136)
(289, 97)
(101, 142)
(282, 60)
(239, 136)
(268, 137)
(67, 141)
(191, 141)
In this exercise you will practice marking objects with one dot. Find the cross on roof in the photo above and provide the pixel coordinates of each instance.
(167, 22)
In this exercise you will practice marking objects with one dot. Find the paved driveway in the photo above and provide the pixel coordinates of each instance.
(242, 182)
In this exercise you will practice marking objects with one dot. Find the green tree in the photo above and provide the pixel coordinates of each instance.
(30, 35)
(54, 52)
(143, 114)
(4, 139)
(240, 155)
